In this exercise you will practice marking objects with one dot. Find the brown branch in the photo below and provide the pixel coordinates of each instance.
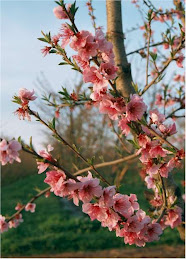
(173, 112)
(30, 201)
(61, 139)
(152, 45)
(127, 158)
(161, 138)
(171, 58)
(148, 51)
(120, 139)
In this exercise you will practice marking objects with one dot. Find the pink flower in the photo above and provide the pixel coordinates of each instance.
(75, 196)
(143, 140)
(134, 204)
(176, 43)
(133, 224)
(42, 166)
(18, 206)
(166, 45)
(112, 106)
(64, 188)
(91, 74)
(173, 219)
(165, 169)
(108, 70)
(135, 108)
(111, 221)
(85, 44)
(168, 130)
(60, 13)
(25, 95)
(94, 211)
(98, 95)
(57, 114)
(55, 39)
(52, 177)
(81, 62)
(105, 47)
(157, 151)
(179, 61)
(142, 217)
(157, 117)
(79, 40)
(177, 78)
(90, 187)
(66, 34)
(30, 207)
(106, 200)
(123, 124)
(45, 51)
(9, 151)
(23, 113)
(159, 100)
(100, 39)
(157, 201)
(47, 194)
(16, 221)
(150, 181)
(122, 205)
(3, 224)
(89, 50)
(153, 232)
(108, 55)
(153, 169)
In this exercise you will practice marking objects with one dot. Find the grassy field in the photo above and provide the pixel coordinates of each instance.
(58, 226)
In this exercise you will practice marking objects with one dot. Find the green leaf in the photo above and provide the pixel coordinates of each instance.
(52, 51)
(135, 144)
(31, 146)
(42, 39)
(153, 56)
(62, 63)
(75, 148)
(73, 9)
(170, 149)
(135, 86)
(52, 123)
(57, 3)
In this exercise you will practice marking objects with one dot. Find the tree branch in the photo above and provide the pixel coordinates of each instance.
(127, 158)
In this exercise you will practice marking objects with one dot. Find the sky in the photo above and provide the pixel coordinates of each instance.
(22, 61)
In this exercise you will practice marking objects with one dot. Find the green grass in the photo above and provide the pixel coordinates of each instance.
(59, 226)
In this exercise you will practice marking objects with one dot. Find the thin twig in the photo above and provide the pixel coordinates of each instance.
(121, 160)
(152, 45)
(30, 201)
(162, 139)
(148, 50)
(120, 139)
(61, 139)
(172, 113)
(171, 58)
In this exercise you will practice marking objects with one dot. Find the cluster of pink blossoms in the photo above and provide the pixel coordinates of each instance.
(9, 151)
(14, 223)
(96, 59)
(120, 213)
(156, 162)
(23, 98)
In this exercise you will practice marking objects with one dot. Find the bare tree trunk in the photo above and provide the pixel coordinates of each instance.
(116, 36)
(123, 83)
